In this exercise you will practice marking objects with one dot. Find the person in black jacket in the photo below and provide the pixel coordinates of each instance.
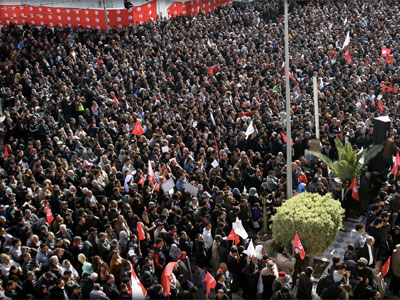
(58, 292)
(304, 289)
(233, 264)
(76, 292)
(28, 285)
(367, 250)
(110, 288)
(251, 273)
(221, 285)
(201, 255)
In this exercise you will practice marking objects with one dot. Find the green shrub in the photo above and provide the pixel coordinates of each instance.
(317, 220)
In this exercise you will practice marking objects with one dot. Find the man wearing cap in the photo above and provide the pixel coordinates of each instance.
(395, 282)
(76, 292)
(283, 279)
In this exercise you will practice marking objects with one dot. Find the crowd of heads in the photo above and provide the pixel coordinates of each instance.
(72, 96)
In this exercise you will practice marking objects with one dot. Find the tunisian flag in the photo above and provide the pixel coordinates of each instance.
(233, 237)
(354, 188)
(6, 154)
(386, 267)
(140, 231)
(297, 244)
(211, 283)
(49, 214)
(137, 290)
(138, 129)
(166, 278)
(385, 52)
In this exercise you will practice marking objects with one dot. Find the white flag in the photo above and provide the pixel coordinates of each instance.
(150, 171)
(239, 229)
(212, 118)
(251, 251)
(345, 21)
(250, 130)
(347, 40)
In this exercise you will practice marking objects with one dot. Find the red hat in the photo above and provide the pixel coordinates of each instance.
(282, 274)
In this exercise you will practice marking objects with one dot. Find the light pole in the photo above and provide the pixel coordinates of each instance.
(288, 125)
(105, 14)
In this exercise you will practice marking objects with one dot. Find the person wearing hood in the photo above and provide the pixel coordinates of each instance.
(304, 288)
(174, 252)
(301, 188)
(283, 279)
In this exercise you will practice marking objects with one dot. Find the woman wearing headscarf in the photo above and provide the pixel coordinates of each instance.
(128, 182)
(67, 266)
(88, 249)
(260, 252)
(86, 266)
(174, 252)
(123, 243)
(186, 271)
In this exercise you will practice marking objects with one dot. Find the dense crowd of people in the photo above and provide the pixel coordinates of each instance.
(71, 98)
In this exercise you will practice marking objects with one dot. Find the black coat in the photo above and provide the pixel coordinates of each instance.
(364, 252)
(304, 289)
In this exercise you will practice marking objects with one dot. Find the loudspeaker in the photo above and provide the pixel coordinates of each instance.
(381, 129)
(127, 4)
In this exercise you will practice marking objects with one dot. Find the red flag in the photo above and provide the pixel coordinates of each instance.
(394, 168)
(285, 138)
(348, 58)
(141, 181)
(99, 63)
(389, 60)
(386, 88)
(137, 290)
(116, 100)
(284, 72)
(6, 151)
(233, 237)
(166, 277)
(157, 187)
(385, 52)
(297, 244)
(380, 106)
(397, 159)
(140, 231)
(354, 188)
(386, 267)
(138, 129)
(49, 214)
(211, 283)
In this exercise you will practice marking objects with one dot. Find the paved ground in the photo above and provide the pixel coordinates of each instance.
(340, 243)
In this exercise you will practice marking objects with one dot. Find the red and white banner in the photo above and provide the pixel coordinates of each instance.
(194, 7)
(74, 17)
(95, 19)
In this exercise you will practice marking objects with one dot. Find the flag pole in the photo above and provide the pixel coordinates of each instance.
(316, 111)
(288, 125)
